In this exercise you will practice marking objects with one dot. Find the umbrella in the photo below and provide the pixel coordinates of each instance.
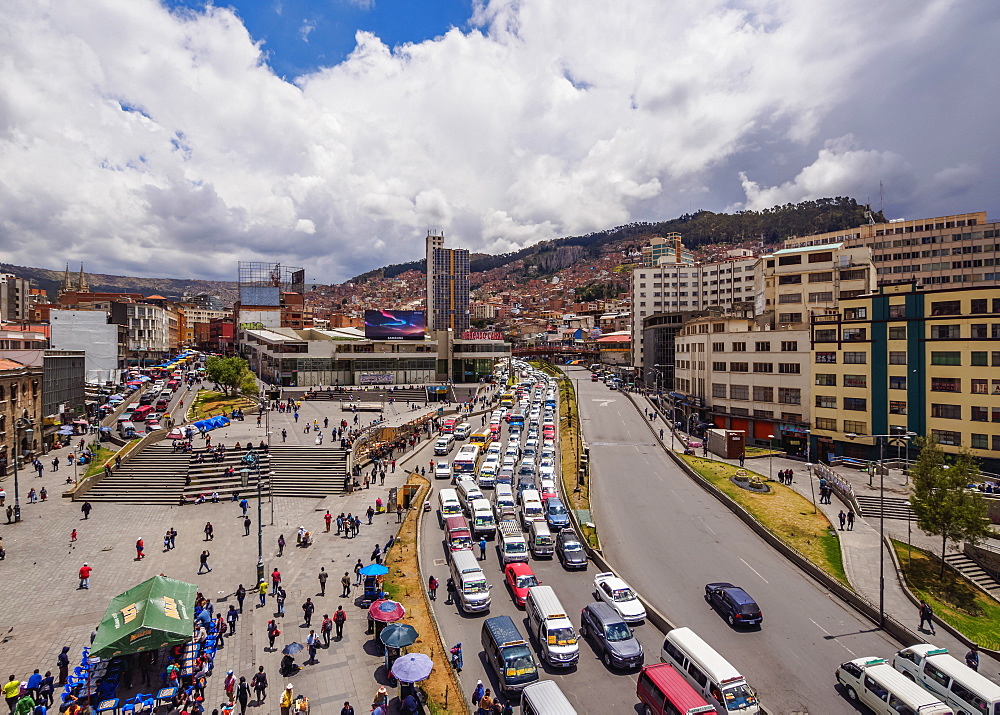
(65, 430)
(386, 611)
(134, 382)
(399, 635)
(374, 570)
(292, 648)
(412, 667)
(105, 429)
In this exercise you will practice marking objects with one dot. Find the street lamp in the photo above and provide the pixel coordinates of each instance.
(251, 460)
(22, 425)
(770, 458)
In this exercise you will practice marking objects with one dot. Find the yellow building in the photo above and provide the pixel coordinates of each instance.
(903, 360)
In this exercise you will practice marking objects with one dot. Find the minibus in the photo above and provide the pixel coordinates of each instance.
(711, 675)
(949, 678)
(885, 690)
(664, 691)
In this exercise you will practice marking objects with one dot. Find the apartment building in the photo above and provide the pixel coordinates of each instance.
(103, 342)
(14, 299)
(904, 359)
(738, 373)
(961, 249)
(447, 286)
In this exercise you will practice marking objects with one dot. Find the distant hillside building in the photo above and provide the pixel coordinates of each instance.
(14, 298)
(447, 286)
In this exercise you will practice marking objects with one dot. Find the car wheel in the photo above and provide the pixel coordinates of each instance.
(646, 710)
(607, 659)
(583, 630)
(852, 694)
(708, 599)
(732, 621)
(909, 676)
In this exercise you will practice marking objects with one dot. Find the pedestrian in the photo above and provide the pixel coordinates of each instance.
(272, 633)
(486, 703)
(971, 658)
(371, 514)
(246, 525)
(376, 556)
(275, 578)
(204, 562)
(259, 685)
(244, 505)
(72, 536)
(287, 700)
(926, 616)
(788, 477)
(850, 520)
(456, 657)
(85, 575)
(345, 583)
(399, 513)
(281, 544)
(243, 694)
(46, 690)
(843, 519)
(323, 575)
(62, 661)
(312, 642)
(284, 435)
(139, 547)
(280, 596)
(308, 608)
(12, 692)
(326, 629)
(357, 572)
(262, 592)
(328, 518)
(478, 693)
(229, 685)
(339, 618)
(743, 457)
(347, 709)
(86, 509)
(232, 615)
(432, 587)
(482, 548)
(450, 588)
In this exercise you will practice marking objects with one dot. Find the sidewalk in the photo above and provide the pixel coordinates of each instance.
(860, 547)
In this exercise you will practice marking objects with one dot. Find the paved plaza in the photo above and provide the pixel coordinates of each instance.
(42, 609)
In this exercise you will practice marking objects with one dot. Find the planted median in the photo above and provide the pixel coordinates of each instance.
(782, 511)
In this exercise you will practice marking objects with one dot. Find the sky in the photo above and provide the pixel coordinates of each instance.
(176, 138)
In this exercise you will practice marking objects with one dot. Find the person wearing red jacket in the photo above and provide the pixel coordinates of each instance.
(85, 576)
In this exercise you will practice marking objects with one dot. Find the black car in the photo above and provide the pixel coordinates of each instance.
(612, 638)
(734, 603)
(570, 550)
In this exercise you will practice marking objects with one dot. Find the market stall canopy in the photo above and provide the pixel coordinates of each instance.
(386, 611)
(211, 423)
(412, 667)
(156, 613)
(374, 570)
(398, 635)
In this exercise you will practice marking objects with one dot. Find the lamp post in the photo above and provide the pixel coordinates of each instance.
(770, 458)
(22, 425)
(251, 460)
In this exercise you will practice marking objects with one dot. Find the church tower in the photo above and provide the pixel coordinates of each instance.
(67, 286)
(82, 285)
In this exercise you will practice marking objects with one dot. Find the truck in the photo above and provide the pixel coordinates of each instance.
(727, 443)
(513, 547)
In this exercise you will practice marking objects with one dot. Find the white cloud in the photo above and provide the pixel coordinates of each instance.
(170, 147)
(305, 29)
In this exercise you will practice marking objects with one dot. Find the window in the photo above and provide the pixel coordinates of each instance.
(739, 392)
(764, 414)
(826, 357)
(791, 416)
(852, 334)
(946, 358)
(897, 357)
(825, 335)
(980, 414)
(763, 367)
(718, 390)
(897, 407)
(827, 423)
(946, 412)
(856, 313)
(946, 384)
(996, 442)
(719, 366)
(953, 439)
(739, 347)
(789, 368)
(763, 394)
(858, 404)
(826, 379)
(897, 332)
(789, 280)
(855, 274)
(717, 327)
(789, 260)
(977, 305)
(790, 298)
(945, 332)
(897, 311)
(789, 395)
(719, 347)
(855, 427)
(979, 331)
(855, 381)
(826, 401)
(980, 441)
(821, 257)
(739, 367)
(855, 358)
(824, 277)
(980, 387)
(824, 297)
(946, 307)
(762, 347)
(789, 346)
(995, 358)
(897, 383)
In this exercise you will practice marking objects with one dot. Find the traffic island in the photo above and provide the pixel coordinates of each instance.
(208, 403)
(782, 511)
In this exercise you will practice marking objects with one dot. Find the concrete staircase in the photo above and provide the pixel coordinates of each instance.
(895, 508)
(208, 476)
(380, 395)
(971, 570)
(153, 476)
(307, 471)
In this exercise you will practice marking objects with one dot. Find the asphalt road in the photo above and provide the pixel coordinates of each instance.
(668, 538)
(590, 686)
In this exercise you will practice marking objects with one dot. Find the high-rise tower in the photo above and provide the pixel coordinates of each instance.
(447, 286)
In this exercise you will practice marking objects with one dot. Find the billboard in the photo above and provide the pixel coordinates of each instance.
(395, 324)
(375, 378)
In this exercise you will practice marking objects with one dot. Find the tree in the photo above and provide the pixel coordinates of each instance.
(231, 374)
(941, 500)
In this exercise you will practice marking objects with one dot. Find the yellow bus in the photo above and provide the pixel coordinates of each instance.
(507, 400)
(481, 437)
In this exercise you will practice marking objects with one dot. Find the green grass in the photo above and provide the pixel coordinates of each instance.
(783, 512)
(761, 451)
(954, 599)
(101, 455)
(208, 403)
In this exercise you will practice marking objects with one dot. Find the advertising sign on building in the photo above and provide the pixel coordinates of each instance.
(395, 324)
(375, 378)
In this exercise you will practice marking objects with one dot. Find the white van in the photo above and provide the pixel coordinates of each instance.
(472, 590)
(949, 678)
(448, 505)
(886, 691)
(513, 547)
(552, 627)
(709, 673)
(545, 698)
(463, 430)
(503, 502)
(483, 523)
(467, 491)
(540, 539)
(444, 444)
(531, 507)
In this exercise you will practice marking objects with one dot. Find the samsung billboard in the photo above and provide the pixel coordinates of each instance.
(395, 324)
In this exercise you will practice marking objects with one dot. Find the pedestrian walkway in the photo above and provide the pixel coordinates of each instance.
(860, 547)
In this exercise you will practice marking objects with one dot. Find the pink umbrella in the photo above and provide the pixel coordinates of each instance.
(386, 611)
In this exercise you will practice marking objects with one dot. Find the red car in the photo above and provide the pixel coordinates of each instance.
(520, 578)
(548, 432)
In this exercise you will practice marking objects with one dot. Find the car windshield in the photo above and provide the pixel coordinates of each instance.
(622, 594)
(477, 587)
(617, 632)
(561, 636)
(572, 546)
(556, 508)
(748, 609)
(738, 697)
(518, 659)
(516, 547)
(461, 542)
(526, 581)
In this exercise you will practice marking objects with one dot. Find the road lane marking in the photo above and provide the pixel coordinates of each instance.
(820, 627)
(832, 637)
(604, 402)
(712, 530)
(755, 571)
